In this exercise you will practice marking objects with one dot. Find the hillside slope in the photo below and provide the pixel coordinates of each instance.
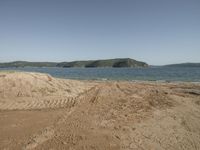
(121, 62)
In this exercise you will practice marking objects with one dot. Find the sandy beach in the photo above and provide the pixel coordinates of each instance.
(38, 111)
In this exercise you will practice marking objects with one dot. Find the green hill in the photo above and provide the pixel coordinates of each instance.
(121, 62)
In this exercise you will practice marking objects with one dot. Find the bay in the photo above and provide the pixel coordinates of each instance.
(190, 74)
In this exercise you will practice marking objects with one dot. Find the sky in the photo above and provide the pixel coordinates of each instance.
(154, 31)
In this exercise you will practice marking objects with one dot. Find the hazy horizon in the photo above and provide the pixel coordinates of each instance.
(157, 32)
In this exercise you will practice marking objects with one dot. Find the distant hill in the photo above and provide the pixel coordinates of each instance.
(27, 64)
(120, 62)
(184, 65)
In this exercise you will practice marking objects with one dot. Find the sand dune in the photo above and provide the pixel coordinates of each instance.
(35, 91)
(94, 115)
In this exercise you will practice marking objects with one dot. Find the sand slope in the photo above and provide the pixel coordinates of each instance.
(106, 115)
(19, 91)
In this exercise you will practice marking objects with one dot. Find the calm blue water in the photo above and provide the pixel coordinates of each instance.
(154, 73)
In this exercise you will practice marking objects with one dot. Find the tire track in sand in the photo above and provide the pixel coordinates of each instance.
(49, 132)
(31, 103)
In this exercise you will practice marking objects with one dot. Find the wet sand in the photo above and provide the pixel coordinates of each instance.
(38, 111)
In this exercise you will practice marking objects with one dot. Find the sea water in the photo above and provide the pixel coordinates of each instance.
(190, 74)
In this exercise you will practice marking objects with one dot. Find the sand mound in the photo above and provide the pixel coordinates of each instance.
(22, 90)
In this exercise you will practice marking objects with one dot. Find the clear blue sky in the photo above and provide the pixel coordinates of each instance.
(155, 31)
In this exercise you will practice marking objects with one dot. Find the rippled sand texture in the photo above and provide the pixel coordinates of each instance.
(38, 111)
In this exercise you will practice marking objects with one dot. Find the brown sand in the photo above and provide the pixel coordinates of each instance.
(38, 111)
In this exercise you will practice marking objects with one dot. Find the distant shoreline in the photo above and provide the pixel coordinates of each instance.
(115, 63)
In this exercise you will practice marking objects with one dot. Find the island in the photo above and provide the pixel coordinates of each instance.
(117, 63)
(184, 65)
